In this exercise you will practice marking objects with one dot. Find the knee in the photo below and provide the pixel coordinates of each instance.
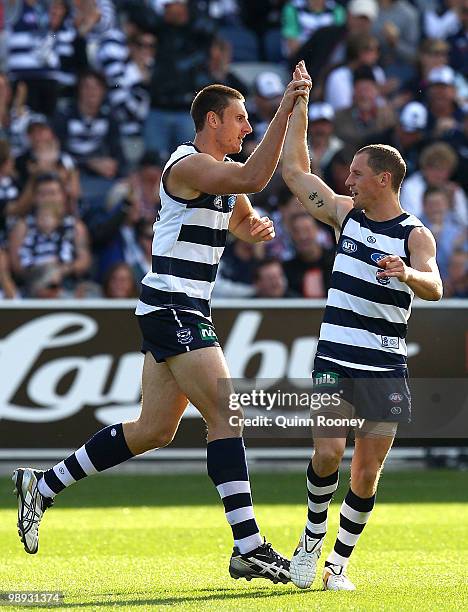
(328, 458)
(364, 479)
(151, 438)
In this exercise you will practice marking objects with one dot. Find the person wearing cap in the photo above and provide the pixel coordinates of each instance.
(323, 144)
(368, 113)
(408, 135)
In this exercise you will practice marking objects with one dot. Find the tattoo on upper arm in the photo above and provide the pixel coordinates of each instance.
(320, 203)
(313, 196)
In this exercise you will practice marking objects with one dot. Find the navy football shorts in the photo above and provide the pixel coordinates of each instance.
(170, 332)
(375, 396)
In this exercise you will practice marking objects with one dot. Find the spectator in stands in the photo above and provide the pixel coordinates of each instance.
(89, 132)
(459, 43)
(263, 17)
(337, 171)
(236, 269)
(219, 62)
(270, 280)
(68, 45)
(44, 156)
(408, 136)
(448, 234)
(397, 28)
(14, 114)
(327, 46)
(180, 71)
(50, 235)
(309, 272)
(31, 55)
(9, 190)
(437, 163)
(282, 246)
(456, 281)
(301, 19)
(119, 282)
(368, 114)
(442, 20)
(361, 51)
(444, 112)
(458, 139)
(8, 289)
(323, 144)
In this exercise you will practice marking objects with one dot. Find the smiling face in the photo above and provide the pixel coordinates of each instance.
(365, 186)
(231, 127)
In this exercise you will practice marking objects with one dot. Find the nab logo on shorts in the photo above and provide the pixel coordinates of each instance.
(390, 341)
(330, 379)
(349, 246)
(395, 397)
(184, 335)
(207, 333)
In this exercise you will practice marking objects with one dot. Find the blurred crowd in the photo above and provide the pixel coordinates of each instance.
(95, 95)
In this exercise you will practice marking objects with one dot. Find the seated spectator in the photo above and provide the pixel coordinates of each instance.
(408, 136)
(458, 43)
(282, 247)
(444, 112)
(180, 71)
(119, 282)
(89, 132)
(458, 139)
(437, 163)
(14, 114)
(31, 55)
(9, 190)
(456, 281)
(302, 18)
(8, 289)
(309, 272)
(397, 28)
(361, 51)
(442, 21)
(268, 91)
(50, 235)
(218, 65)
(44, 156)
(448, 234)
(270, 280)
(323, 144)
(236, 269)
(367, 115)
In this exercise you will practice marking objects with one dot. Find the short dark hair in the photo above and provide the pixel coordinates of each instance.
(383, 158)
(214, 98)
(264, 263)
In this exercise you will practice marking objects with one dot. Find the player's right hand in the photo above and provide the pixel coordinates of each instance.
(300, 86)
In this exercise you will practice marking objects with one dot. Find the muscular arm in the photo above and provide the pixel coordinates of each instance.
(315, 195)
(423, 275)
(246, 224)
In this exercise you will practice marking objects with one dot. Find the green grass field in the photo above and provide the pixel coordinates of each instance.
(150, 542)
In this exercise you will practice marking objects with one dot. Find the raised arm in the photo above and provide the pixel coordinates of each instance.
(205, 174)
(315, 195)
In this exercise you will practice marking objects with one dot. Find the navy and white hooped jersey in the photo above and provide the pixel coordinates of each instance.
(365, 320)
(189, 239)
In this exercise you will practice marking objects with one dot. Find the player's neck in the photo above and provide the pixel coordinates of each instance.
(384, 211)
(205, 144)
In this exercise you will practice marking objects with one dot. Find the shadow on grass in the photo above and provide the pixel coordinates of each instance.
(193, 596)
(424, 486)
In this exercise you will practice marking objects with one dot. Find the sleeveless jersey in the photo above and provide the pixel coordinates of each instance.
(189, 239)
(365, 320)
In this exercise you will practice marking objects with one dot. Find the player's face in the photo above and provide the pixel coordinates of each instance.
(363, 184)
(234, 127)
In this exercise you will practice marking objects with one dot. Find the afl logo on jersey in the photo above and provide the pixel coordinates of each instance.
(349, 246)
(376, 257)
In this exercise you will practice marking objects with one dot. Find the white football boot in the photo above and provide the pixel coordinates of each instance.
(304, 561)
(31, 506)
(335, 579)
